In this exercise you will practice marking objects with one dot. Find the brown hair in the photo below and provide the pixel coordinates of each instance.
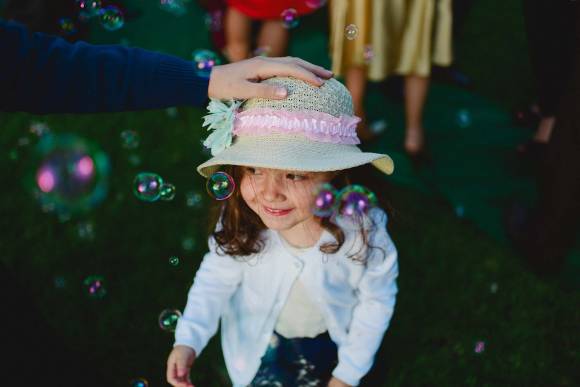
(241, 228)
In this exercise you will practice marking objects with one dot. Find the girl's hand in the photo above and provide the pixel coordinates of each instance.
(179, 364)
(334, 382)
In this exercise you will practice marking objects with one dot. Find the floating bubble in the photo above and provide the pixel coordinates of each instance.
(188, 244)
(351, 32)
(88, 8)
(59, 282)
(315, 4)
(147, 186)
(463, 118)
(171, 112)
(213, 20)
(134, 159)
(23, 141)
(262, 51)
(459, 211)
(86, 231)
(125, 42)
(220, 186)
(139, 382)
(493, 287)
(66, 26)
(130, 139)
(168, 319)
(194, 199)
(356, 200)
(175, 7)
(71, 174)
(379, 126)
(167, 192)
(39, 128)
(111, 18)
(479, 347)
(204, 61)
(290, 18)
(368, 53)
(94, 286)
(173, 260)
(325, 201)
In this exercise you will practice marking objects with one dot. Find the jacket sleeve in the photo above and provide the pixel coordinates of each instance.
(377, 294)
(215, 281)
(42, 74)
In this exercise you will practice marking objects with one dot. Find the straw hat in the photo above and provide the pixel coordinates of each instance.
(312, 130)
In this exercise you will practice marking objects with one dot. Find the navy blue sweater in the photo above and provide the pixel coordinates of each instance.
(42, 74)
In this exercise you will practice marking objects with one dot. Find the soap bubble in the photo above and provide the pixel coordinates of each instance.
(463, 118)
(86, 231)
(213, 20)
(194, 199)
(479, 347)
(70, 174)
(147, 186)
(325, 201)
(175, 7)
(262, 51)
(204, 61)
(368, 54)
(94, 286)
(66, 26)
(168, 319)
(130, 139)
(139, 382)
(88, 8)
(167, 192)
(188, 244)
(111, 18)
(315, 4)
(173, 260)
(220, 186)
(356, 200)
(351, 32)
(290, 18)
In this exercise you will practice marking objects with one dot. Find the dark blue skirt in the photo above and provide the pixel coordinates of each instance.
(298, 362)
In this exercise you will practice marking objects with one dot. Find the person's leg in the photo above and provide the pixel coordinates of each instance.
(356, 82)
(237, 30)
(273, 38)
(416, 88)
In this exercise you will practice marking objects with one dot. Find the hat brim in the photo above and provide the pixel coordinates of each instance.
(294, 153)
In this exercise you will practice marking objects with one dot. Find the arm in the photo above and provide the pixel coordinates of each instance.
(215, 281)
(377, 291)
(45, 74)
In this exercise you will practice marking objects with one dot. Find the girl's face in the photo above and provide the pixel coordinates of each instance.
(283, 200)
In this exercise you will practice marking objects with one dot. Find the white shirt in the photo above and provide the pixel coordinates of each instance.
(357, 300)
(299, 317)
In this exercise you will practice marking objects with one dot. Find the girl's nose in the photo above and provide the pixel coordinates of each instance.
(272, 189)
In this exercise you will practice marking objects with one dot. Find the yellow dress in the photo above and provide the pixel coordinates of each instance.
(402, 37)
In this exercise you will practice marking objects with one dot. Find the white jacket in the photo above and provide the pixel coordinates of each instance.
(357, 300)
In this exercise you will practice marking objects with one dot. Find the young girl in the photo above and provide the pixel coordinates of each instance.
(304, 297)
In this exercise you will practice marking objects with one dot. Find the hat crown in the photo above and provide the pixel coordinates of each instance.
(332, 97)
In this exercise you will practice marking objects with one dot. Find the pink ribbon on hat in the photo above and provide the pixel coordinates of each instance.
(314, 125)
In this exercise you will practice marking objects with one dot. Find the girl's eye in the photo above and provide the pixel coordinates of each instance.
(295, 177)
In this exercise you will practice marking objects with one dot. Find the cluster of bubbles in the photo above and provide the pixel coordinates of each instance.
(110, 17)
(150, 187)
(95, 286)
(175, 7)
(168, 319)
(220, 186)
(351, 31)
(351, 202)
(204, 61)
(70, 175)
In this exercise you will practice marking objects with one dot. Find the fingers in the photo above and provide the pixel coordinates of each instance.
(260, 90)
(177, 376)
(290, 67)
(318, 70)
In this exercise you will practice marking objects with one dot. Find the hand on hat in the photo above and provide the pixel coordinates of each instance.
(240, 80)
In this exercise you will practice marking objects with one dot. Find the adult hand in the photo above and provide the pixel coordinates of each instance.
(179, 364)
(239, 80)
(334, 382)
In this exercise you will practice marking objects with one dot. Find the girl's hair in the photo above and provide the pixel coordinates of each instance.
(241, 228)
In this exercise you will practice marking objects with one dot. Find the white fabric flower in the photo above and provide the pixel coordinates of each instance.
(221, 119)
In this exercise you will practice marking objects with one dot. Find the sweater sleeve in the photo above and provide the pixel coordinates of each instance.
(43, 74)
(377, 294)
(216, 280)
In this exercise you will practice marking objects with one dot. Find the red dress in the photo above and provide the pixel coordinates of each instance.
(271, 9)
